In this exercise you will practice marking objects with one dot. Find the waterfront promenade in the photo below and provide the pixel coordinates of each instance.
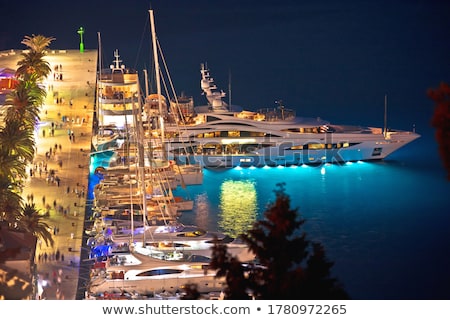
(58, 178)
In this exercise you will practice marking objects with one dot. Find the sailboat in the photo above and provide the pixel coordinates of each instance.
(116, 100)
(167, 233)
(157, 114)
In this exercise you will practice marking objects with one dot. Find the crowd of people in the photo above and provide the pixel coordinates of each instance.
(57, 178)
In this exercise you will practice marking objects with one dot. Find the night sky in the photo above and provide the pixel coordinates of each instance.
(333, 59)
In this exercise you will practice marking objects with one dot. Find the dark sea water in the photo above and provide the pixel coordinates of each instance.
(386, 225)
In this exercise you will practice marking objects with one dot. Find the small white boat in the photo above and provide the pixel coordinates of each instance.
(108, 138)
(171, 235)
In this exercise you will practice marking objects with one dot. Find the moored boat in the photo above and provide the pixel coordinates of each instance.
(222, 135)
(173, 278)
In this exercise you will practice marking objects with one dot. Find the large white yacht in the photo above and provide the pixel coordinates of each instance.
(222, 135)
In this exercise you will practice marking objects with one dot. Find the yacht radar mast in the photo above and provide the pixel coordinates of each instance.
(209, 88)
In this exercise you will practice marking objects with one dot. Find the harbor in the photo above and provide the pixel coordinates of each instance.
(352, 231)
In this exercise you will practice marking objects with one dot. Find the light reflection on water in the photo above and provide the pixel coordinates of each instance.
(238, 206)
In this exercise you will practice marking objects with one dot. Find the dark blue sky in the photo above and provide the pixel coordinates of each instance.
(334, 59)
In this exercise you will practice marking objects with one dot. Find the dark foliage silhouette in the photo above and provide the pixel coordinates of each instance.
(288, 265)
(441, 121)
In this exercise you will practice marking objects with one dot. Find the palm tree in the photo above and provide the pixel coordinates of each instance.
(33, 62)
(10, 200)
(31, 220)
(16, 140)
(17, 148)
(37, 43)
(17, 145)
(12, 166)
(24, 102)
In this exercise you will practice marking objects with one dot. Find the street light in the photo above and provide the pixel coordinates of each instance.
(81, 32)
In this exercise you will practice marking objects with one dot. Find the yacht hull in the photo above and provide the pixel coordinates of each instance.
(326, 148)
(157, 280)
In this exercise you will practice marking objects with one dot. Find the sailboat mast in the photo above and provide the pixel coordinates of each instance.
(100, 64)
(157, 75)
(141, 162)
(229, 91)
(385, 116)
(146, 82)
